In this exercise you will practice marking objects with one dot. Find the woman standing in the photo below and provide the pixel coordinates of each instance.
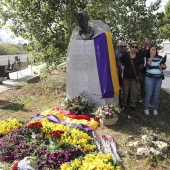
(153, 79)
(132, 63)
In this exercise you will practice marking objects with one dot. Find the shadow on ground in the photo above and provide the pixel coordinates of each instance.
(14, 107)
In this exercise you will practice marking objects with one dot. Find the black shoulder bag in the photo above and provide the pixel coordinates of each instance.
(139, 78)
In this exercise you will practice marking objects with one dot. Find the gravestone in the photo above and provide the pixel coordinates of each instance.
(82, 73)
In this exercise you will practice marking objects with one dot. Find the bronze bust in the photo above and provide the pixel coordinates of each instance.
(85, 31)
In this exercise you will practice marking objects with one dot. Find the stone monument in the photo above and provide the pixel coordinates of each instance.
(82, 73)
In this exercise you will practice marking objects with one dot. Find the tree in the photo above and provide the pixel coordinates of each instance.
(48, 24)
(129, 19)
(12, 49)
(164, 23)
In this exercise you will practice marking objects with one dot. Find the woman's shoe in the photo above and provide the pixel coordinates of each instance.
(146, 112)
(155, 112)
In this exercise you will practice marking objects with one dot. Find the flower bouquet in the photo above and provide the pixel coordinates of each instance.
(80, 105)
(35, 128)
(108, 114)
(54, 139)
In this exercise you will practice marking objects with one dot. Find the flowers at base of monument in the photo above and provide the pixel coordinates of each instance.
(79, 139)
(55, 135)
(107, 111)
(8, 125)
(75, 144)
(53, 161)
(35, 127)
(16, 144)
(81, 104)
(71, 136)
(92, 161)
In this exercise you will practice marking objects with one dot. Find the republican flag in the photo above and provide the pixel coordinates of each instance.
(106, 65)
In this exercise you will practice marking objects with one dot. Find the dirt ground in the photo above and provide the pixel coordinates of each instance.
(134, 125)
(130, 124)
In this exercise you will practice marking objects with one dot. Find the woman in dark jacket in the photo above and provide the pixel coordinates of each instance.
(132, 62)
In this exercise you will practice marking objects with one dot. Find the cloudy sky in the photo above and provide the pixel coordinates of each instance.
(6, 36)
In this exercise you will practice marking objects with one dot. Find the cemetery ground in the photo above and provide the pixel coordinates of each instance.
(29, 98)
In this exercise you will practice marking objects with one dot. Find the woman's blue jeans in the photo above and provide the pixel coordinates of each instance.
(153, 87)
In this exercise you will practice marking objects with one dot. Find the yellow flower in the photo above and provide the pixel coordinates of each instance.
(9, 125)
(91, 162)
(71, 136)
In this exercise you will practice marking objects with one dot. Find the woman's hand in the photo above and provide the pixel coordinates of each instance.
(162, 66)
(152, 54)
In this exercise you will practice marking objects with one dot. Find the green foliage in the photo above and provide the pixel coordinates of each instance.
(164, 23)
(48, 25)
(128, 20)
(12, 49)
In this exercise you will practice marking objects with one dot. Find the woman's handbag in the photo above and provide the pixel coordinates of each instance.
(139, 78)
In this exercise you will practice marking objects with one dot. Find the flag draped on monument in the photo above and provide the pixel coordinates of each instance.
(106, 65)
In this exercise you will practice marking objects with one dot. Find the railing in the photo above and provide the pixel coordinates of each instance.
(8, 59)
(18, 67)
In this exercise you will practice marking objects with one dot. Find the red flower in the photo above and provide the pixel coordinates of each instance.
(56, 133)
(15, 166)
(35, 125)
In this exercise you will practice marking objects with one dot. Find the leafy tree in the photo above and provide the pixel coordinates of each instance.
(164, 23)
(12, 49)
(48, 24)
(129, 19)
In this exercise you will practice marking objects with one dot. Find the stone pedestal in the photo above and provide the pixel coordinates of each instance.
(82, 74)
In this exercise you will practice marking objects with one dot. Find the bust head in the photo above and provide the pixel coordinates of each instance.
(83, 19)
(86, 31)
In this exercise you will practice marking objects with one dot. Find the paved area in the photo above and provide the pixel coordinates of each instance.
(21, 76)
(166, 81)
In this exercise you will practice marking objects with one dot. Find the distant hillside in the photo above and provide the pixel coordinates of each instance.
(6, 49)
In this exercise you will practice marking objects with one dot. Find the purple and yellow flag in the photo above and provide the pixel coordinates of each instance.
(106, 65)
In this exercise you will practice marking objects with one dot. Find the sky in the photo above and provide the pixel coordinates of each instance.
(6, 36)
(162, 4)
